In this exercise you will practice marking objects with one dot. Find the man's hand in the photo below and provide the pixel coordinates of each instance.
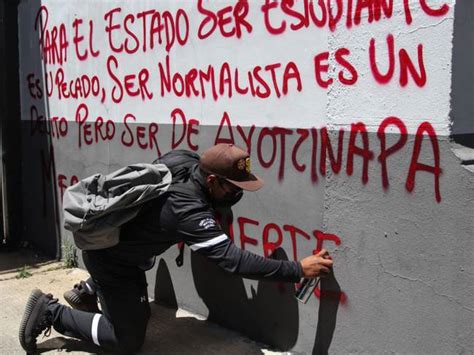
(318, 265)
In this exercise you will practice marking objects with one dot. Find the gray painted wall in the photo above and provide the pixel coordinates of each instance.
(463, 75)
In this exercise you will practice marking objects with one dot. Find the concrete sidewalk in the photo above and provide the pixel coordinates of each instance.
(169, 331)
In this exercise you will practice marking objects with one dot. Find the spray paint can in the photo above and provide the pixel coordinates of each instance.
(304, 292)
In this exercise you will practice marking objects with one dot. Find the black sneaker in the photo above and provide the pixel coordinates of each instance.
(36, 319)
(82, 298)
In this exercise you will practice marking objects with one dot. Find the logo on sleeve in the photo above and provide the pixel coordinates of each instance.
(207, 223)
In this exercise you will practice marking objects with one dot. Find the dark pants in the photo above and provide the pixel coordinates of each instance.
(122, 291)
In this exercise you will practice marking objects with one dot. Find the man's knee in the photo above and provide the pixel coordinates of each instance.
(131, 340)
(131, 344)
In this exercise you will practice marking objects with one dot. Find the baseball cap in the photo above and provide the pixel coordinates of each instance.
(232, 163)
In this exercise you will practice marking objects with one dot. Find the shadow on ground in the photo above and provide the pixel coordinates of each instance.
(66, 345)
(169, 334)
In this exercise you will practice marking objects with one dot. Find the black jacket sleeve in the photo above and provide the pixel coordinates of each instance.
(250, 265)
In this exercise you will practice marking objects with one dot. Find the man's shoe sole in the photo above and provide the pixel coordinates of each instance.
(30, 305)
(75, 302)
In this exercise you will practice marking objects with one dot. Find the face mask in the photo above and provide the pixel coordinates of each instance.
(228, 200)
